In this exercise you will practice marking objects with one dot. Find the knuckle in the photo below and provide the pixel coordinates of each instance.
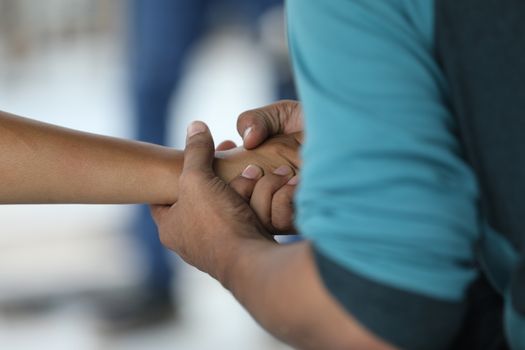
(253, 114)
(215, 186)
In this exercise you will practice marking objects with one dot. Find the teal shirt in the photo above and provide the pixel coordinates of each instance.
(386, 197)
(385, 190)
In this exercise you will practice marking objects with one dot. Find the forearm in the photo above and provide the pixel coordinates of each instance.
(280, 287)
(42, 163)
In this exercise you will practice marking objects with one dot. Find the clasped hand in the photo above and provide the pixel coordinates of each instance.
(212, 219)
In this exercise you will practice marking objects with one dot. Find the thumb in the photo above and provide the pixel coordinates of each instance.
(199, 151)
(256, 125)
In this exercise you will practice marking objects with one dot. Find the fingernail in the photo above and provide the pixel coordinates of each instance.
(252, 172)
(196, 128)
(282, 170)
(247, 132)
(293, 181)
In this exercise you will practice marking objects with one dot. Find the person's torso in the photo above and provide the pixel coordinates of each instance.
(481, 47)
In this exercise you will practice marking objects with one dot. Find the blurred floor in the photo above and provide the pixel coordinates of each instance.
(67, 253)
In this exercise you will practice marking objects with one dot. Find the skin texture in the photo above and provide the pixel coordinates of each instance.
(278, 285)
(280, 118)
(42, 163)
(272, 201)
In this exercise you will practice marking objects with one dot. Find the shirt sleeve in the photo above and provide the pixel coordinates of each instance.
(386, 197)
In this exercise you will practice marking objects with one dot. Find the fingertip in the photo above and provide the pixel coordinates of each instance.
(256, 138)
(226, 145)
(250, 137)
(195, 128)
(200, 150)
(294, 181)
(252, 129)
(247, 132)
(283, 170)
(252, 172)
(248, 143)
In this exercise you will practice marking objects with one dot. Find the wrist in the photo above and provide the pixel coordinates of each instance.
(165, 172)
(240, 260)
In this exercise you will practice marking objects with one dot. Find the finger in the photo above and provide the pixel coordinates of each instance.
(282, 211)
(245, 183)
(199, 151)
(257, 125)
(226, 145)
(261, 199)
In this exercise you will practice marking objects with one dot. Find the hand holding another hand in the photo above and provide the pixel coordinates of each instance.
(270, 195)
(281, 118)
(210, 220)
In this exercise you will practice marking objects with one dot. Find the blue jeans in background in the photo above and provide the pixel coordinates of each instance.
(162, 32)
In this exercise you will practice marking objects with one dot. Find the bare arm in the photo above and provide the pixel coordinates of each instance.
(278, 285)
(300, 311)
(43, 163)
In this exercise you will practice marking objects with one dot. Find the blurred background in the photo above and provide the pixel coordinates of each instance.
(96, 277)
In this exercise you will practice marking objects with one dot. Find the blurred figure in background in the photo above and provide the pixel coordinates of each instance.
(162, 34)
